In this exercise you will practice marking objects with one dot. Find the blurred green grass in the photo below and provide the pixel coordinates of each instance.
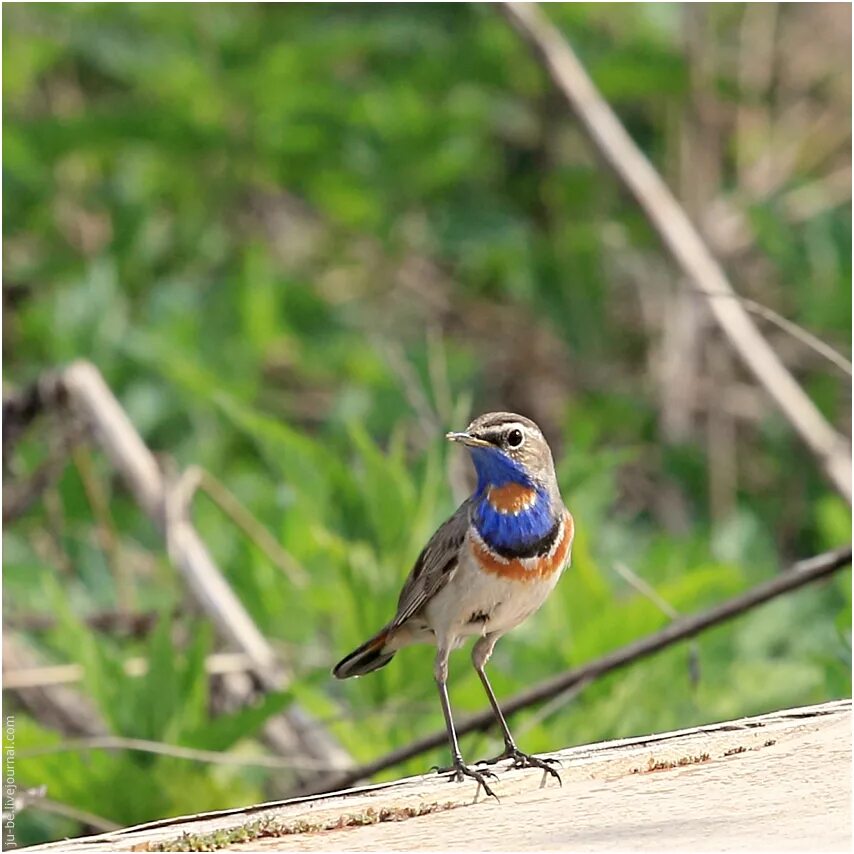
(220, 206)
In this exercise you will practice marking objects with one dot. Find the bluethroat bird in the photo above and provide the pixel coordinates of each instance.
(484, 571)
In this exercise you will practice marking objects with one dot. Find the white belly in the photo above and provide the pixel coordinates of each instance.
(475, 602)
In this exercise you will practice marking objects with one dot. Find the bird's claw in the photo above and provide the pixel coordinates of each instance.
(459, 771)
(525, 760)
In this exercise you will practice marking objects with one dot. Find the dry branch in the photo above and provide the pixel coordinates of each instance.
(802, 573)
(82, 388)
(51, 703)
(90, 396)
(19, 677)
(682, 239)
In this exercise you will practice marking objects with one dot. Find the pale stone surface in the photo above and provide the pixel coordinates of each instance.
(779, 782)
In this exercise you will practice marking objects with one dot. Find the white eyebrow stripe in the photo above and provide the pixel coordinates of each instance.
(496, 431)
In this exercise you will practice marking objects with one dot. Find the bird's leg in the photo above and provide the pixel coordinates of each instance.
(459, 770)
(480, 655)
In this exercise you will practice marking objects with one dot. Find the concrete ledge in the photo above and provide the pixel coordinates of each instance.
(777, 782)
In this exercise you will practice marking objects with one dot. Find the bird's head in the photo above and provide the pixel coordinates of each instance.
(507, 448)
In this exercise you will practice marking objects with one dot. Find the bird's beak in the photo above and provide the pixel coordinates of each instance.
(467, 439)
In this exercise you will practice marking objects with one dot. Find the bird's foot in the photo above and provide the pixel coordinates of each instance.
(525, 760)
(459, 771)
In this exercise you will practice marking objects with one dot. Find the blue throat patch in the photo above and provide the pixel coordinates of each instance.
(505, 532)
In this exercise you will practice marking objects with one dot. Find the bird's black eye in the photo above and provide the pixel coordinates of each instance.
(514, 438)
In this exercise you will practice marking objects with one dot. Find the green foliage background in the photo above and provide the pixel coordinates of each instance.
(301, 242)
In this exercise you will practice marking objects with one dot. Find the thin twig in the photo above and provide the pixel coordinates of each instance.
(456, 466)
(57, 529)
(803, 335)
(645, 589)
(665, 607)
(19, 496)
(256, 531)
(104, 526)
(807, 338)
(437, 367)
(175, 751)
(802, 573)
(108, 621)
(679, 235)
(48, 805)
(411, 385)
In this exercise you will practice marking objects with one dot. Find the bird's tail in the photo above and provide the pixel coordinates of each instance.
(370, 656)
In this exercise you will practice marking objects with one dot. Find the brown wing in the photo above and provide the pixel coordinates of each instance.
(435, 565)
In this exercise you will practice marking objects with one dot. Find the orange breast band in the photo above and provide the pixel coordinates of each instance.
(511, 498)
(527, 569)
